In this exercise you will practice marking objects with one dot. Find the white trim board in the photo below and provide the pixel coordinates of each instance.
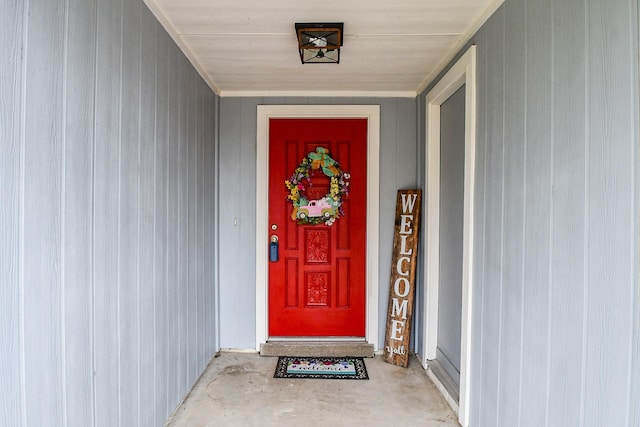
(462, 73)
(468, 34)
(372, 114)
(318, 94)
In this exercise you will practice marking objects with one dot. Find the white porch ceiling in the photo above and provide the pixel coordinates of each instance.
(249, 47)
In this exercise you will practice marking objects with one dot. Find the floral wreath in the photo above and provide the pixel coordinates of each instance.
(327, 209)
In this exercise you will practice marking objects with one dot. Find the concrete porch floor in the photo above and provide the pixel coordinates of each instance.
(238, 389)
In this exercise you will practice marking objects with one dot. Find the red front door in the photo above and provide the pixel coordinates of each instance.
(318, 285)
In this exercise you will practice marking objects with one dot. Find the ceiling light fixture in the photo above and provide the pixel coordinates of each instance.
(319, 43)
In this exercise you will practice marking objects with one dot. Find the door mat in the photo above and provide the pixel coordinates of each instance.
(340, 368)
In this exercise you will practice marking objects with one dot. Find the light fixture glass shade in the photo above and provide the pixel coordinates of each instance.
(319, 43)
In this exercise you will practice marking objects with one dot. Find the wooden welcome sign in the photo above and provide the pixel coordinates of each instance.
(403, 277)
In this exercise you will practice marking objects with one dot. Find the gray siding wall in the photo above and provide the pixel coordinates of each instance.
(556, 320)
(107, 177)
(398, 169)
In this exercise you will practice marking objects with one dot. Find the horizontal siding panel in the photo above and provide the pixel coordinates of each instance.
(11, 87)
(172, 331)
(106, 213)
(162, 337)
(610, 216)
(569, 194)
(634, 378)
(514, 212)
(146, 220)
(78, 210)
(568, 332)
(493, 219)
(89, 162)
(129, 210)
(42, 320)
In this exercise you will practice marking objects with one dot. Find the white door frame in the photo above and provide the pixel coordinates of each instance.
(462, 73)
(372, 114)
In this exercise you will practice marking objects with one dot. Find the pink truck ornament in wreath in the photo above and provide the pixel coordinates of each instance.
(316, 208)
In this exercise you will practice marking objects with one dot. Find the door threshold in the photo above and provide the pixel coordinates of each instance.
(444, 383)
(325, 348)
(316, 339)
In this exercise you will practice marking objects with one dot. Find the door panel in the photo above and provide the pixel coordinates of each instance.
(452, 128)
(317, 287)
